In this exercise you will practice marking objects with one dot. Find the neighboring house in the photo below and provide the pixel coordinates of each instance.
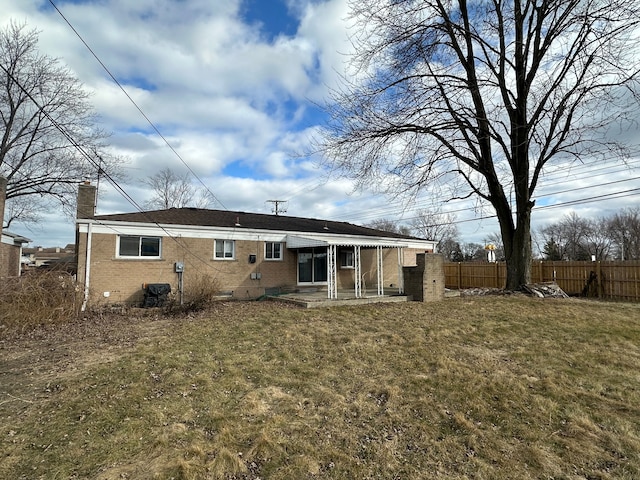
(11, 247)
(52, 257)
(248, 254)
(10, 243)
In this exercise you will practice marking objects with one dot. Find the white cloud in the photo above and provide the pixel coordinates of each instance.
(223, 95)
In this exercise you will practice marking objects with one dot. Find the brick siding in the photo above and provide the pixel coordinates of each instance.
(121, 280)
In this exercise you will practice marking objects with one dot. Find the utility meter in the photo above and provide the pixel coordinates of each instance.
(179, 267)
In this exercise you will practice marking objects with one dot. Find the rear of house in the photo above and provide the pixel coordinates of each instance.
(249, 255)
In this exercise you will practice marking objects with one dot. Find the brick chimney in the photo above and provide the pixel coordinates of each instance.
(86, 201)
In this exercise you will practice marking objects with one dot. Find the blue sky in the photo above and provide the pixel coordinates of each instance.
(233, 85)
(273, 17)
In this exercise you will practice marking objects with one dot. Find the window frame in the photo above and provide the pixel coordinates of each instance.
(273, 258)
(141, 247)
(224, 242)
(346, 255)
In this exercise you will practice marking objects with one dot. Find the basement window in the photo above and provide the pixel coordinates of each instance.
(134, 246)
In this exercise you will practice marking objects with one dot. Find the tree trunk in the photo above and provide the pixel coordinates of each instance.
(517, 247)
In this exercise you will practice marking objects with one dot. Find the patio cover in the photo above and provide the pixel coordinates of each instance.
(331, 242)
(298, 241)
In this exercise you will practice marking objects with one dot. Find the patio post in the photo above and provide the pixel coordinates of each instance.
(332, 283)
(357, 265)
(400, 271)
(380, 271)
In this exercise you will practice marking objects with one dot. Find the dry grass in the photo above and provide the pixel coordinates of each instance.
(39, 298)
(477, 388)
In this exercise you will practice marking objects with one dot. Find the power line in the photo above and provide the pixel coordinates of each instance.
(137, 107)
(368, 212)
(108, 176)
(391, 209)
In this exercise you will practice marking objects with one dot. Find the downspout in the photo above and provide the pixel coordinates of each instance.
(87, 269)
(20, 261)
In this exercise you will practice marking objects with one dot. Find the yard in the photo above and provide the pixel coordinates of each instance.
(493, 387)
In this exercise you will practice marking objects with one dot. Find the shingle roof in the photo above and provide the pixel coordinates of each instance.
(225, 218)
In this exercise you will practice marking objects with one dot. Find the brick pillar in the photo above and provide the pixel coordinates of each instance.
(86, 207)
(425, 282)
(433, 277)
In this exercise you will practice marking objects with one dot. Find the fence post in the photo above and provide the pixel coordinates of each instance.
(540, 278)
(459, 275)
(600, 279)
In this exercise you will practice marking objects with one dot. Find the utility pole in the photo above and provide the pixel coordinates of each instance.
(276, 205)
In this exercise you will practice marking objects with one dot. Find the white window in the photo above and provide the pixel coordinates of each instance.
(225, 250)
(137, 246)
(273, 250)
(346, 259)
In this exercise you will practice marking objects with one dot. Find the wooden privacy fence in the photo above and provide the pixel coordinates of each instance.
(612, 280)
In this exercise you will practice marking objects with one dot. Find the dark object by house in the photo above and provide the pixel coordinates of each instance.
(591, 287)
(155, 295)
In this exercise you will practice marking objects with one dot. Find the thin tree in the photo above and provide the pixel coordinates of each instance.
(482, 96)
(436, 225)
(46, 124)
(171, 190)
(389, 225)
(624, 231)
(599, 243)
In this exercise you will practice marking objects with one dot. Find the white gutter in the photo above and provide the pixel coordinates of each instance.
(87, 269)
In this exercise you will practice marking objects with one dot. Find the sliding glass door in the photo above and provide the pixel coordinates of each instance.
(312, 266)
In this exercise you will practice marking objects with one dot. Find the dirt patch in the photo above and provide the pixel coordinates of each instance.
(45, 354)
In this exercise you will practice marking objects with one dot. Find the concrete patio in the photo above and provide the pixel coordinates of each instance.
(314, 298)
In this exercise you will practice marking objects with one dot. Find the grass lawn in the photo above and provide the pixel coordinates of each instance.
(496, 387)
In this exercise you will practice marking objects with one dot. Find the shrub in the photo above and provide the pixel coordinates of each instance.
(199, 294)
(39, 298)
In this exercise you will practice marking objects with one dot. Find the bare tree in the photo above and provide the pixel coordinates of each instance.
(473, 252)
(451, 250)
(48, 142)
(389, 225)
(575, 238)
(482, 96)
(171, 190)
(598, 241)
(566, 239)
(624, 231)
(438, 226)
(575, 230)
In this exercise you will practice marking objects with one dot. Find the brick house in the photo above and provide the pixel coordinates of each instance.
(11, 246)
(62, 258)
(248, 254)
(10, 243)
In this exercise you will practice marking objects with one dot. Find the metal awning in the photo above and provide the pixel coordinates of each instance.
(298, 241)
(332, 242)
(303, 242)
